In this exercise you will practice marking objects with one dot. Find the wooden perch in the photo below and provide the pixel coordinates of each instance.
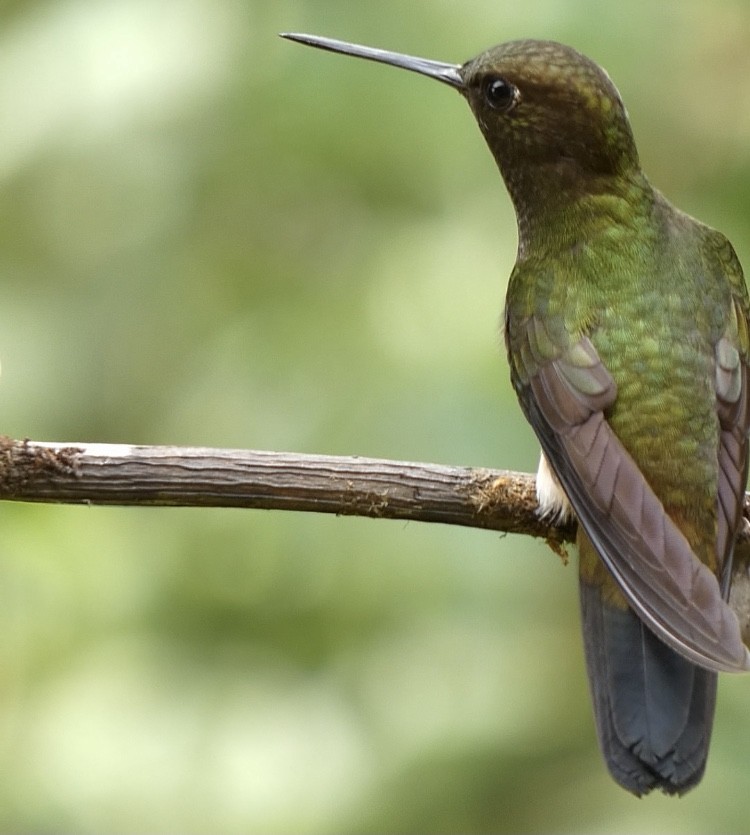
(119, 474)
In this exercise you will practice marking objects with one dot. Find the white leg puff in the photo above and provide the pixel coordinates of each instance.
(553, 503)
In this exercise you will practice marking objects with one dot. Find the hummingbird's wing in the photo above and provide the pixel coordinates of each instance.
(564, 394)
(734, 418)
(733, 407)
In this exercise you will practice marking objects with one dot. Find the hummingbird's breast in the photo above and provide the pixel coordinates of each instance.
(656, 320)
(637, 279)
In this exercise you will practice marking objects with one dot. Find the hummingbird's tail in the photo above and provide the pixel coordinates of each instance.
(654, 710)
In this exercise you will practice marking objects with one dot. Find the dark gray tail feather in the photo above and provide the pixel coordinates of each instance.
(654, 710)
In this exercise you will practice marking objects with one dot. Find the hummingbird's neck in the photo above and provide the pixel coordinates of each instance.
(556, 209)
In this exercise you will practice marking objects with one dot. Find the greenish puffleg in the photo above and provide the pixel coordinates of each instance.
(626, 326)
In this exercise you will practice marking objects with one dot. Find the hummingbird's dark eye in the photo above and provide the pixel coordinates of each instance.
(500, 94)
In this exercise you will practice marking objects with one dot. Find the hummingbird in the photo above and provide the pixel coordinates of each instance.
(627, 329)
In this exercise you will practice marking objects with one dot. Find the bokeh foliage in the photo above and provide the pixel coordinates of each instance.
(209, 236)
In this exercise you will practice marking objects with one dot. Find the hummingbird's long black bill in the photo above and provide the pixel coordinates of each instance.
(447, 73)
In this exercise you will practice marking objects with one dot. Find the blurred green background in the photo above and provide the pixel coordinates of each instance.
(209, 236)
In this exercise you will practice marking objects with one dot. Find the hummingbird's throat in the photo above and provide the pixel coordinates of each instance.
(556, 208)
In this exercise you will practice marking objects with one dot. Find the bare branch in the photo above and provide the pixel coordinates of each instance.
(120, 474)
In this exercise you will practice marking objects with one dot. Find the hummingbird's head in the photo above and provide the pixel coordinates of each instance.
(542, 104)
(552, 118)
